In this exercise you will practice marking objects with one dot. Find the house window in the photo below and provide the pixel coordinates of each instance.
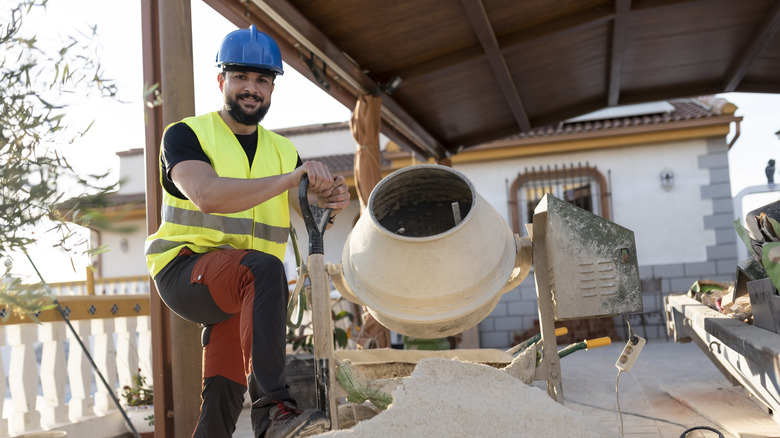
(583, 186)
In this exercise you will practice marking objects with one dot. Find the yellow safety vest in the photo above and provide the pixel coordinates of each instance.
(265, 227)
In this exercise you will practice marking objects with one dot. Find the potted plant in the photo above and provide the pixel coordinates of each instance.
(139, 405)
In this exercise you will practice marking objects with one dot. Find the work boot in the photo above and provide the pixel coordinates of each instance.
(290, 422)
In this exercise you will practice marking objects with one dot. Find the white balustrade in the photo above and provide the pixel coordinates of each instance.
(23, 377)
(3, 387)
(105, 360)
(79, 373)
(54, 376)
(67, 394)
(127, 349)
(145, 350)
(39, 401)
(112, 286)
(123, 286)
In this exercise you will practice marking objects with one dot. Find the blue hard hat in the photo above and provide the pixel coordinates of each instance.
(250, 48)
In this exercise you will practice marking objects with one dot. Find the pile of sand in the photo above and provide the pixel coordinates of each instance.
(450, 398)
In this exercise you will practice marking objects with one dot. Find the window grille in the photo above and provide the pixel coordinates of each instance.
(583, 186)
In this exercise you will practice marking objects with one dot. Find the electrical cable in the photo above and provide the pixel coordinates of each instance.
(711, 429)
(631, 338)
(617, 399)
(633, 414)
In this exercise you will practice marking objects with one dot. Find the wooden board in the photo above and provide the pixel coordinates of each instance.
(727, 406)
(478, 355)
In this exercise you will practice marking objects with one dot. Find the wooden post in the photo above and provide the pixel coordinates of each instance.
(167, 48)
(322, 325)
(765, 304)
(177, 88)
(90, 281)
(159, 314)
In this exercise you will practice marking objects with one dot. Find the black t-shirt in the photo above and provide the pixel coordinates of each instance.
(181, 144)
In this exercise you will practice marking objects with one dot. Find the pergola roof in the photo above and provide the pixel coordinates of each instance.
(659, 116)
(474, 71)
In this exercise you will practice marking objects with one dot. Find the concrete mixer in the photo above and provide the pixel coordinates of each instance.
(429, 257)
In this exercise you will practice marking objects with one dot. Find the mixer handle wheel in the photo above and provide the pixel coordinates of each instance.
(316, 218)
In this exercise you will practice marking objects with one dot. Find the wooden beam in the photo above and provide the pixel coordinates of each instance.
(482, 27)
(619, 35)
(764, 34)
(177, 90)
(312, 39)
(748, 354)
(160, 315)
(90, 307)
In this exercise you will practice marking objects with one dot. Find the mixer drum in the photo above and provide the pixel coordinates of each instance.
(430, 257)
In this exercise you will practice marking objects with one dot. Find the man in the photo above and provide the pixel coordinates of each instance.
(217, 257)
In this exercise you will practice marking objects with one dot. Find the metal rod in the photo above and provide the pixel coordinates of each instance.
(456, 213)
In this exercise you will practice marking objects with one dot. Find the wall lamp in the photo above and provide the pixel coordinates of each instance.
(667, 179)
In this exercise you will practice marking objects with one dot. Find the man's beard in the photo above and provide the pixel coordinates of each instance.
(243, 117)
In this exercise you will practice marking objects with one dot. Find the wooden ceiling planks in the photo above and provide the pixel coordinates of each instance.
(477, 70)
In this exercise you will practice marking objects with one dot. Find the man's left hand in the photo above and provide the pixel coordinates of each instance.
(336, 198)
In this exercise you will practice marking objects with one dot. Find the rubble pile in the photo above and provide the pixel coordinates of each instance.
(450, 398)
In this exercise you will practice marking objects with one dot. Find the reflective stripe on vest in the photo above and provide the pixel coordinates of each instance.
(225, 224)
(264, 227)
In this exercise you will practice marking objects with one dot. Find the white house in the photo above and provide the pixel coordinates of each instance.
(659, 169)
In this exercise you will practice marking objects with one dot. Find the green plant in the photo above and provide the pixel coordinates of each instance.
(305, 341)
(767, 250)
(138, 394)
(40, 81)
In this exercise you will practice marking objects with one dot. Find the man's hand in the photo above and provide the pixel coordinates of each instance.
(331, 192)
(336, 198)
(320, 178)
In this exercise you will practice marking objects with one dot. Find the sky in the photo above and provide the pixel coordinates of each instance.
(118, 126)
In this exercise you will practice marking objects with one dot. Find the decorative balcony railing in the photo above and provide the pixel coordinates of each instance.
(103, 286)
(51, 383)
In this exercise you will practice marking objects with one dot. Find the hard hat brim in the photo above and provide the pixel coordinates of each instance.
(262, 69)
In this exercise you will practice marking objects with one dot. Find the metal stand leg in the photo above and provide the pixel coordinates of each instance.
(551, 364)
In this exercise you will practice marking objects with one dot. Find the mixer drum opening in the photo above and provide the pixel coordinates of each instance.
(432, 202)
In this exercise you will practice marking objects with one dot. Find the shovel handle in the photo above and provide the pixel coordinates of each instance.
(315, 218)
